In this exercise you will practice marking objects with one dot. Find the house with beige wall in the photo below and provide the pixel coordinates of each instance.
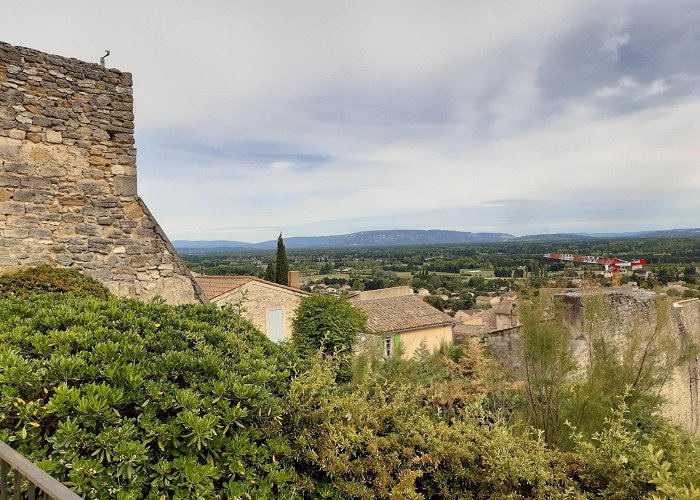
(269, 306)
(406, 321)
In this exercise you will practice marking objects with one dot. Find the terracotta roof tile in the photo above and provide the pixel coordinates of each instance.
(397, 314)
(213, 286)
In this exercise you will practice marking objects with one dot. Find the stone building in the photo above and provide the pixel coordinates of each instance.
(269, 306)
(68, 178)
(626, 310)
(406, 321)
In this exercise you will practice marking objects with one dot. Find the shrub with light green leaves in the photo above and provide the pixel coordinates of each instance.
(122, 399)
(328, 323)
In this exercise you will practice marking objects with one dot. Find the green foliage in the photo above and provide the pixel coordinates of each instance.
(281, 263)
(144, 399)
(636, 370)
(622, 461)
(447, 379)
(270, 272)
(121, 399)
(47, 279)
(435, 301)
(327, 323)
(548, 363)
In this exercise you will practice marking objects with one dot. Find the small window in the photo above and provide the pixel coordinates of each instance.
(275, 325)
(387, 347)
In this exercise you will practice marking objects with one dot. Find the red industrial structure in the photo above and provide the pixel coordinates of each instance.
(610, 263)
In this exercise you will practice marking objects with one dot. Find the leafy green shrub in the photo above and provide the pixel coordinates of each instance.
(47, 279)
(121, 397)
(377, 440)
(328, 323)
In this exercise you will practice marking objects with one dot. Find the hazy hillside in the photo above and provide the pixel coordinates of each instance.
(398, 237)
(554, 237)
(407, 237)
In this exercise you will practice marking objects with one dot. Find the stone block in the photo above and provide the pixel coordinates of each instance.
(100, 135)
(75, 201)
(123, 138)
(124, 185)
(10, 207)
(5, 194)
(10, 149)
(39, 155)
(15, 233)
(17, 134)
(9, 181)
(33, 196)
(42, 234)
(19, 168)
(36, 182)
(95, 187)
(54, 137)
(133, 210)
(107, 202)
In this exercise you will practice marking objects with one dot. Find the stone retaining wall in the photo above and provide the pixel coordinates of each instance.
(639, 311)
(68, 178)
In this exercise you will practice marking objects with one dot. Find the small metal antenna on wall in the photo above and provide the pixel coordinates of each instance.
(102, 59)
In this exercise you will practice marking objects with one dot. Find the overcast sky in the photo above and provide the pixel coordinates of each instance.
(329, 117)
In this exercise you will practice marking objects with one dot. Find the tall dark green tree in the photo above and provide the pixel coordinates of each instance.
(282, 266)
(270, 272)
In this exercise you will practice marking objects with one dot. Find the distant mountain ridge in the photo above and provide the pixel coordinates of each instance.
(408, 237)
(395, 237)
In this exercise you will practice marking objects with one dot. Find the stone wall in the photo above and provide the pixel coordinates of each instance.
(68, 178)
(623, 311)
(505, 345)
(639, 311)
(258, 297)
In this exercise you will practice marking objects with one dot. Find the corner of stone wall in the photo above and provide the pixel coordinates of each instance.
(179, 264)
(68, 189)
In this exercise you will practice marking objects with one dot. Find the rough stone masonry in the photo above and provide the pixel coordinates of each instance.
(641, 311)
(68, 178)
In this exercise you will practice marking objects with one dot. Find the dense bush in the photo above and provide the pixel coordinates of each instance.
(121, 399)
(46, 279)
(377, 438)
(326, 322)
(144, 399)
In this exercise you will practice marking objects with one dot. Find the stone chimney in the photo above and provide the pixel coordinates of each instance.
(294, 278)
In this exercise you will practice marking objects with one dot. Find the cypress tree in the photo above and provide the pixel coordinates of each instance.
(282, 266)
(270, 272)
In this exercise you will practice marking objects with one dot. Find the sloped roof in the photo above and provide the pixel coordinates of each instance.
(504, 307)
(396, 314)
(213, 286)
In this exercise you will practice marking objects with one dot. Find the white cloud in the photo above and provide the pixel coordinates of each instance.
(280, 166)
(627, 86)
(614, 43)
(323, 117)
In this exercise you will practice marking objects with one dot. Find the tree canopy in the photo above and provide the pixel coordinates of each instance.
(328, 323)
(281, 263)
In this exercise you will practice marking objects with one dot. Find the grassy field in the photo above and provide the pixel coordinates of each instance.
(316, 277)
(484, 273)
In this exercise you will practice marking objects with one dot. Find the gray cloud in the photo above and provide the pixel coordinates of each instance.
(629, 56)
(323, 117)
